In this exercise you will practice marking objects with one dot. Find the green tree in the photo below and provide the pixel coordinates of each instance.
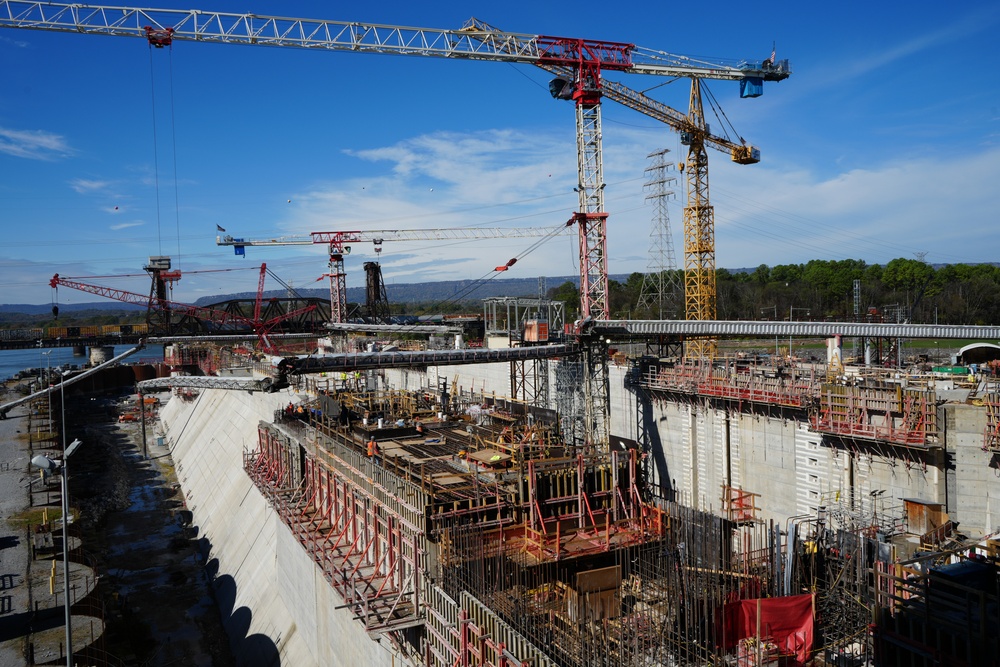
(570, 296)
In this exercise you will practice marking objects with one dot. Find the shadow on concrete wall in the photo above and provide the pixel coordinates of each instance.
(651, 427)
(250, 650)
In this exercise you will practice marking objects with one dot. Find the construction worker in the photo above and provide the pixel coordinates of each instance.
(373, 450)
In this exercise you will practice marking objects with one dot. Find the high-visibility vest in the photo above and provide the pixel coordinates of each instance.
(372, 447)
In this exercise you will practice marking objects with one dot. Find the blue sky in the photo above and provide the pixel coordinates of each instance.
(884, 143)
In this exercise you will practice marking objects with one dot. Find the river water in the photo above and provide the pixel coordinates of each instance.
(12, 361)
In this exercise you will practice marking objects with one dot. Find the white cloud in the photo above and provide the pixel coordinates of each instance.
(943, 206)
(126, 225)
(491, 179)
(19, 43)
(769, 213)
(33, 144)
(86, 185)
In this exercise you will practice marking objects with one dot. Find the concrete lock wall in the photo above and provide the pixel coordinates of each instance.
(101, 353)
(793, 470)
(973, 475)
(273, 596)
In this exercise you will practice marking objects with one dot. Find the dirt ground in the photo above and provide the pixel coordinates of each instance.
(136, 538)
(158, 597)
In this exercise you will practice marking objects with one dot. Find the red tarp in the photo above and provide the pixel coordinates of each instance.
(786, 621)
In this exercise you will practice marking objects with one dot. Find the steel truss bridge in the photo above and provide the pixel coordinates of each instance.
(749, 329)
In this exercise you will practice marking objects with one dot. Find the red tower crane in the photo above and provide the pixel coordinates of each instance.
(579, 63)
(225, 320)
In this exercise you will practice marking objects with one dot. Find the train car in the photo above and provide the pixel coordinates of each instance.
(89, 331)
(141, 329)
(111, 330)
(57, 332)
(22, 334)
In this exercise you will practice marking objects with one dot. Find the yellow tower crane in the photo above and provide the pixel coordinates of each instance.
(580, 66)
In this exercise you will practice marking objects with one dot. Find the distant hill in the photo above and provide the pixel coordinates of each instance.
(445, 290)
(463, 291)
(75, 308)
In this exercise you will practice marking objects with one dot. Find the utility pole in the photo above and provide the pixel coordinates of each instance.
(59, 467)
(774, 310)
(791, 317)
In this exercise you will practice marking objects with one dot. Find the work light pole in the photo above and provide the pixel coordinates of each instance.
(47, 464)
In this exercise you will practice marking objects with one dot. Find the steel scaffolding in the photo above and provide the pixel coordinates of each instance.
(494, 542)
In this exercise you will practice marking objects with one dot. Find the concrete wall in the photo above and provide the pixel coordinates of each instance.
(277, 606)
(974, 484)
(792, 469)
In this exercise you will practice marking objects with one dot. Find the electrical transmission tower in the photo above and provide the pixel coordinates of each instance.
(661, 286)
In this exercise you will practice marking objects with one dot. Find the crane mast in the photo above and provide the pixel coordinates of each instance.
(699, 230)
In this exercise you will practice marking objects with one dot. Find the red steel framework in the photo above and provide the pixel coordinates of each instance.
(366, 550)
(365, 522)
(619, 520)
(892, 414)
(883, 412)
(749, 383)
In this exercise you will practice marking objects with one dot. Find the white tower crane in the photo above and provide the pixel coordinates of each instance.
(337, 243)
(579, 65)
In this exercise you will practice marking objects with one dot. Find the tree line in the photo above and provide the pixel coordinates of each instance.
(901, 290)
(819, 290)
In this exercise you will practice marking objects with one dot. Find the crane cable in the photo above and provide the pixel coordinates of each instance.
(173, 139)
(156, 159)
(498, 270)
(173, 142)
(720, 114)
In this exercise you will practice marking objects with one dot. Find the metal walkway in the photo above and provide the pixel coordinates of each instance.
(365, 360)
